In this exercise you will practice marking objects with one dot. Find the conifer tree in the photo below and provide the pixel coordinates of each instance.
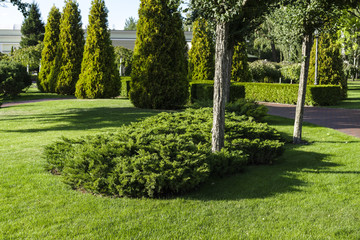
(99, 76)
(32, 29)
(330, 63)
(240, 67)
(70, 51)
(202, 52)
(159, 70)
(48, 55)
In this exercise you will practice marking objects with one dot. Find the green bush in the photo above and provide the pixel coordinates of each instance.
(204, 90)
(290, 73)
(166, 154)
(13, 78)
(240, 67)
(125, 86)
(248, 108)
(264, 71)
(288, 93)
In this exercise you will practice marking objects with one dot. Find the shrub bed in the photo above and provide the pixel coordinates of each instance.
(166, 154)
(125, 86)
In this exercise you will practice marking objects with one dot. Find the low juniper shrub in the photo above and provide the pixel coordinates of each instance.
(162, 155)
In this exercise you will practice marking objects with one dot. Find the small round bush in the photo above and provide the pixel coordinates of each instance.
(264, 71)
(13, 78)
(162, 155)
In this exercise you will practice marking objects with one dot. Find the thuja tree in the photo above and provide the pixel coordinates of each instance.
(70, 51)
(32, 29)
(330, 63)
(231, 17)
(240, 67)
(48, 55)
(99, 77)
(202, 52)
(159, 69)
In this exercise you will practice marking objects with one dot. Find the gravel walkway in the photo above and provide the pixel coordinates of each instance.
(32, 101)
(343, 120)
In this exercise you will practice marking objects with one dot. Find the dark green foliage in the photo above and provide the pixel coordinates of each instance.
(99, 76)
(264, 71)
(330, 63)
(205, 91)
(240, 67)
(288, 93)
(127, 56)
(48, 55)
(13, 78)
(166, 154)
(290, 73)
(71, 46)
(159, 70)
(202, 52)
(32, 29)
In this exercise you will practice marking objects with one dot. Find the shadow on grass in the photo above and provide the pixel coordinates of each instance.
(265, 181)
(84, 119)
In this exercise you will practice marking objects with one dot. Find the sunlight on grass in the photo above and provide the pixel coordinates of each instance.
(311, 192)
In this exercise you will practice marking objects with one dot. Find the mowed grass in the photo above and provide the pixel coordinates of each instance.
(311, 192)
(353, 99)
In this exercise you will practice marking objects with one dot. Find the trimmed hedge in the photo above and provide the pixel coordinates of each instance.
(288, 93)
(320, 95)
(169, 153)
(204, 90)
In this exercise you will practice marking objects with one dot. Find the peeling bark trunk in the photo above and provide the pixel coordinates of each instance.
(221, 84)
(299, 115)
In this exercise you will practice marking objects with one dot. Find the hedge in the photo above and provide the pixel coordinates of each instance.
(204, 90)
(320, 95)
(288, 93)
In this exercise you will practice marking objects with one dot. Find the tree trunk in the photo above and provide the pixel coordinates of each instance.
(273, 52)
(306, 49)
(221, 84)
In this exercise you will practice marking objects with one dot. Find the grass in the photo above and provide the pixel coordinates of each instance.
(311, 192)
(353, 99)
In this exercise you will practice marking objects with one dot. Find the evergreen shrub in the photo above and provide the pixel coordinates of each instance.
(162, 155)
(240, 71)
(125, 86)
(13, 78)
(159, 67)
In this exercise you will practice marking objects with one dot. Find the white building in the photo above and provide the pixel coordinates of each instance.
(11, 38)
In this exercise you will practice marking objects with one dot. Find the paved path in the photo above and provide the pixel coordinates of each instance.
(343, 120)
(31, 101)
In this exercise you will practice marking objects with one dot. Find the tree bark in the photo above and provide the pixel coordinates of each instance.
(306, 49)
(221, 84)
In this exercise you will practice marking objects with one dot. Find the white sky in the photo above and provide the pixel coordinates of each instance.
(119, 11)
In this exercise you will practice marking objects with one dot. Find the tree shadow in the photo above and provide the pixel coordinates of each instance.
(83, 119)
(266, 180)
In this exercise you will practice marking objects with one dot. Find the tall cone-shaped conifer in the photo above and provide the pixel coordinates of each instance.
(48, 54)
(240, 67)
(32, 29)
(159, 70)
(99, 77)
(330, 63)
(71, 47)
(202, 52)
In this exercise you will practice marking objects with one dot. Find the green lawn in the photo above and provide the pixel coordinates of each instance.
(353, 100)
(311, 192)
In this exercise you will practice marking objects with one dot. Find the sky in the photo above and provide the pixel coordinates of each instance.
(119, 11)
